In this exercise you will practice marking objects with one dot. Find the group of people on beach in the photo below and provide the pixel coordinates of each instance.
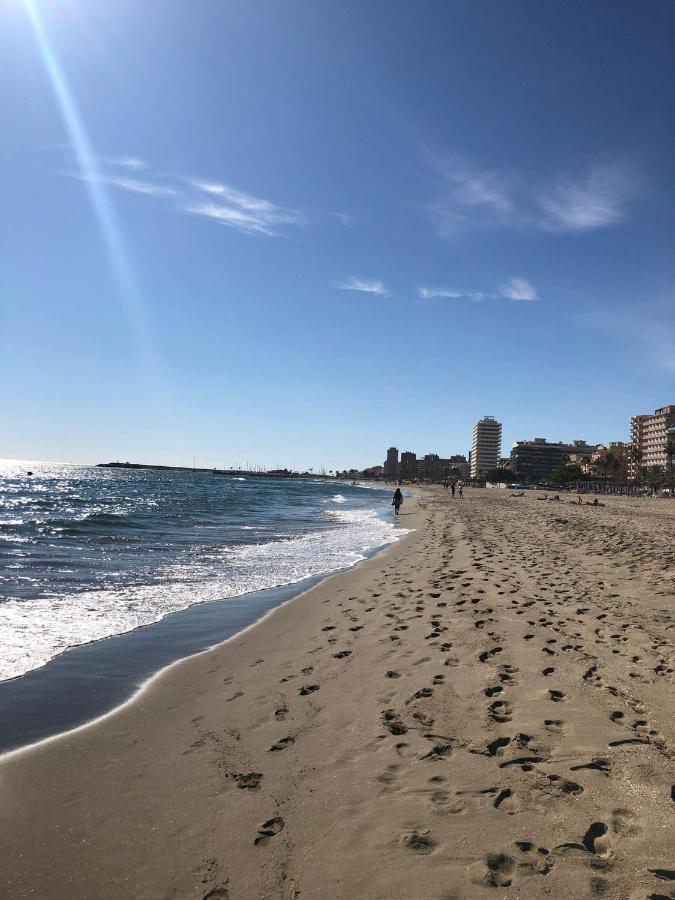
(454, 486)
(556, 497)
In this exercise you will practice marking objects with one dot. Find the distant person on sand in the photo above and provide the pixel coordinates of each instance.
(398, 499)
(452, 488)
(461, 492)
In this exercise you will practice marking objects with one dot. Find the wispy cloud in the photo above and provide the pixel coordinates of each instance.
(208, 199)
(141, 187)
(128, 162)
(366, 285)
(240, 210)
(596, 201)
(469, 196)
(518, 289)
(514, 289)
(425, 293)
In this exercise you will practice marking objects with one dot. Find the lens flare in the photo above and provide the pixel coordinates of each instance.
(125, 279)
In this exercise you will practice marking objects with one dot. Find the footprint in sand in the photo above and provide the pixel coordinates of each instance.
(500, 869)
(599, 764)
(498, 746)
(507, 801)
(246, 780)
(500, 711)
(282, 744)
(537, 860)
(493, 691)
(269, 828)
(419, 841)
(555, 726)
(219, 892)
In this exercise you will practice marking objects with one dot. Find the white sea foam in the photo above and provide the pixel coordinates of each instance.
(32, 633)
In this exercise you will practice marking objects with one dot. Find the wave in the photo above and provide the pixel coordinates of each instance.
(33, 632)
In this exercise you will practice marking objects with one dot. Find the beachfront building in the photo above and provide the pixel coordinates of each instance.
(538, 458)
(408, 467)
(608, 461)
(486, 446)
(391, 463)
(459, 462)
(649, 437)
(431, 468)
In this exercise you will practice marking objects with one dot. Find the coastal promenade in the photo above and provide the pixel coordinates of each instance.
(483, 709)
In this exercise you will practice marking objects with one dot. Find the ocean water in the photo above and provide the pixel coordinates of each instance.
(88, 553)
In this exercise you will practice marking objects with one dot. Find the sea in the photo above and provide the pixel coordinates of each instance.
(107, 574)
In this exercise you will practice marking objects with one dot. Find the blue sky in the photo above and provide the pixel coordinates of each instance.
(296, 233)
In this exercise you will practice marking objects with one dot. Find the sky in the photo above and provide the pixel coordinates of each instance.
(294, 234)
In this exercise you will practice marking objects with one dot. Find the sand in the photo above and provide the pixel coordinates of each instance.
(484, 709)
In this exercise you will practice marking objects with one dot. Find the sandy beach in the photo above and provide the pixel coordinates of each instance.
(483, 709)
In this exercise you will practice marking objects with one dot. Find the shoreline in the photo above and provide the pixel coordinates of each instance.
(71, 672)
(458, 715)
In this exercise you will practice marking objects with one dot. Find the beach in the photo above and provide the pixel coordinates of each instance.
(482, 709)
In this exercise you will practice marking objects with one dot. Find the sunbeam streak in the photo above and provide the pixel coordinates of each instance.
(125, 280)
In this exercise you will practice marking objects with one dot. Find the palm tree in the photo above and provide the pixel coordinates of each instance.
(652, 475)
(670, 453)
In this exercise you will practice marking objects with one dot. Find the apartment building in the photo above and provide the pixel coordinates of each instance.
(486, 446)
(649, 436)
(539, 457)
(408, 468)
(391, 463)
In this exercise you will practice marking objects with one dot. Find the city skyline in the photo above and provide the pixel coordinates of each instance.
(287, 248)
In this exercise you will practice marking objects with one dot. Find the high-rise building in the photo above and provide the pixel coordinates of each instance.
(391, 463)
(486, 446)
(538, 458)
(649, 436)
(408, 467)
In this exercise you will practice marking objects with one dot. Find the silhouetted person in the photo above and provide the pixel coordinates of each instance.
(452, 488)
(398, 499)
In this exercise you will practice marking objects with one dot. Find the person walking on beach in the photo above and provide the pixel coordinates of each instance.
(461, 492)
(452, 488)
(398, 499)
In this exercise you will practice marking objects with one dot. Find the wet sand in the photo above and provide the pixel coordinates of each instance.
(484, 709)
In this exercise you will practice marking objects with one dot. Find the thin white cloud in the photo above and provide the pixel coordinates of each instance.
(473, 197)
(425, 293)
(141, 187)
(218, 202)
(128, 162)
(518, 289)
(366, 285)
(240, 210)
(596, 201)
(514, 289)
